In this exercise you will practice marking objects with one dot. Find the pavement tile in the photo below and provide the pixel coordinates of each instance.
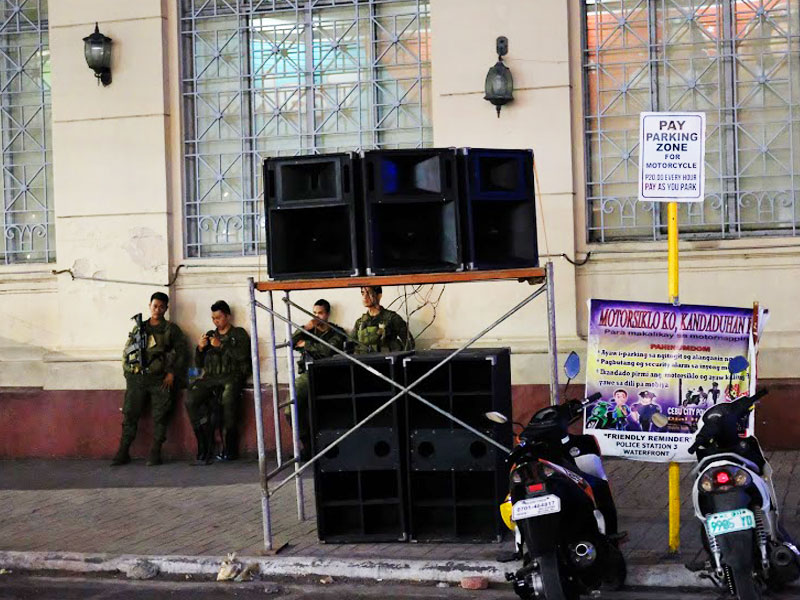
(84, 506)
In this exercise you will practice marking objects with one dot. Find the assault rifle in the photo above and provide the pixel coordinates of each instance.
(135, 353)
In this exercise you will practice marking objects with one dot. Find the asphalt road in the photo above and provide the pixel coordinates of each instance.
(24, 587)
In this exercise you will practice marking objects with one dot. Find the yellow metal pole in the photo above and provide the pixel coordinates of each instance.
(672, 255)
(674, 468)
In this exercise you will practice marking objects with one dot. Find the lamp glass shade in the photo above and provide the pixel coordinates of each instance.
(499, 86)
(97, 50)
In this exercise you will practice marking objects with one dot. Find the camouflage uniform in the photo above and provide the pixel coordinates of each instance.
(314, 350)
(384, 332)
(225, 370)
(166, 353)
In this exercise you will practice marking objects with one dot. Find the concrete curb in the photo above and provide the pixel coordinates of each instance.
(386, 569)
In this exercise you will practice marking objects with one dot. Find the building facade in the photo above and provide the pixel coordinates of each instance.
(153, 182)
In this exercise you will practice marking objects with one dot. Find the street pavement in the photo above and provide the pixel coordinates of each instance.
(71, 588)
(178, 509)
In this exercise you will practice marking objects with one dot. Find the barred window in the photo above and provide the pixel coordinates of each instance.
(736, 60)
(287, 77)
(25, 129)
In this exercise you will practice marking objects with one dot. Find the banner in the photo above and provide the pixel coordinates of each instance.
(658, 368)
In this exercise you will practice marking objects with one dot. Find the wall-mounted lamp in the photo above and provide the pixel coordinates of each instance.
(97, 50)
(499, 85)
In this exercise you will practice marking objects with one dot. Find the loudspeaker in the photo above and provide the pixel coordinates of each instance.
(359, 484)
(311, 206)
(457, 480)
(411, 211)
(498, 208)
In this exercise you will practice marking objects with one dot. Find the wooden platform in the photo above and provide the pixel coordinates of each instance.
(530, 275)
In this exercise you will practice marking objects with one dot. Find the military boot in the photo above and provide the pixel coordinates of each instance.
(154, 456)
(200, 435)
(122, 457)
(230, 450)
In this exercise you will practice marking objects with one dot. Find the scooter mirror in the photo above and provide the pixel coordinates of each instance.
(737, 364)
(496, 417)
(572, 366)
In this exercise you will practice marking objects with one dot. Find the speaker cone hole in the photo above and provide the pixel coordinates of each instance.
(477, 449)
(425, 449)
(382, 448)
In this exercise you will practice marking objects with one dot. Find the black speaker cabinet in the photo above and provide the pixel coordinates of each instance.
(411, 211)
(457, 480)
(311, 204)
(359, 484)
(498, 208)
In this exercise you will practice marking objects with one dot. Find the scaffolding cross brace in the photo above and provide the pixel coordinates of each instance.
(529, 275)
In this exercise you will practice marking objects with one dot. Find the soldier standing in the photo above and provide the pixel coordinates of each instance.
(154, 363)
(311, 348)
(223, 354)
(380, 329)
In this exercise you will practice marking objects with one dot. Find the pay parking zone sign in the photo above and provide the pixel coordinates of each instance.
(671, 151)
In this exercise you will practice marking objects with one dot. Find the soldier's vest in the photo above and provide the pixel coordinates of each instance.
(157, 341)
(372, 335)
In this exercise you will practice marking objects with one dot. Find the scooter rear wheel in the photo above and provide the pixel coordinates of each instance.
(551, 580)
(745, 584)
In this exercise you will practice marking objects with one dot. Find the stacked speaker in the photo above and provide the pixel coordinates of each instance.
(410, 473)
(400, 211)
(358, 483)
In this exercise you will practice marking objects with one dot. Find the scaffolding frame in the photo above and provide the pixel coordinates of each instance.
(543, 276)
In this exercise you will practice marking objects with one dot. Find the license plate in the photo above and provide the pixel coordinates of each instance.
(730, 521)
(536, 507)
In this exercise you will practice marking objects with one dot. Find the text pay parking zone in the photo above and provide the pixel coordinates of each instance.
(671, 151)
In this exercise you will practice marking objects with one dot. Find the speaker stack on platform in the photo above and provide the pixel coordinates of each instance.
(410, 473)
(498, 211)
(411, 211)
(400, 211)
(311, 208)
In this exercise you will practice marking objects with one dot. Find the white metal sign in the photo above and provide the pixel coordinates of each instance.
(671, 151)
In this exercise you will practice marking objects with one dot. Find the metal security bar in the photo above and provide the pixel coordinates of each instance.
(25, 131)
(736, 60)
(281, 78)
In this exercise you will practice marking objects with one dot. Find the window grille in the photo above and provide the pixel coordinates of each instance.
(736, 60)
(25, 129)
(282, 78)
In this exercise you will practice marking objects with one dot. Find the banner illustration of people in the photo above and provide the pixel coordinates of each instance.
(658, 367)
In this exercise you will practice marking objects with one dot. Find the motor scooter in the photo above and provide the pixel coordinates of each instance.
(735, 501)
(560, 507)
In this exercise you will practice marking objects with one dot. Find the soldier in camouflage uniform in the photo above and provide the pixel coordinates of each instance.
(311, 348)
(379, 329)
(155, 371)
(223, 354)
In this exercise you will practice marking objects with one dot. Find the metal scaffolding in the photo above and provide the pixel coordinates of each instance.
(543, 276)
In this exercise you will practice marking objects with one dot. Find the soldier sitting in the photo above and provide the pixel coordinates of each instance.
(380, 329)
(154, 363)
(311, 348)
(223, 354)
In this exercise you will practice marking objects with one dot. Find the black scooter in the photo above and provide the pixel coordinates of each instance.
(561, 505)
(735, 501)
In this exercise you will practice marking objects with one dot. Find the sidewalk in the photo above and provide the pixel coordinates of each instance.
(86, 507)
